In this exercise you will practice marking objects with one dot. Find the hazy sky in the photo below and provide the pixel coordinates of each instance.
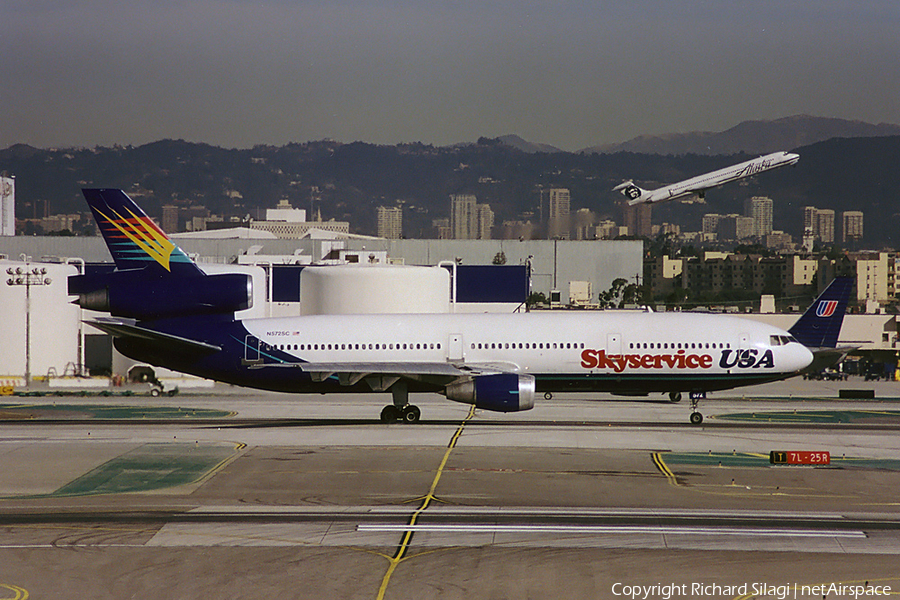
(571, 73)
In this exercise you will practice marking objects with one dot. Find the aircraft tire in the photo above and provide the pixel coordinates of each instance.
(696, 418)
(411, 414)
(675, 396)
(390, 414)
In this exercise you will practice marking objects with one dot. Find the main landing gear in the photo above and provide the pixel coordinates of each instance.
(401, 410)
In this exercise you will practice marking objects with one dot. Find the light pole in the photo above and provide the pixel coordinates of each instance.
(28, 278)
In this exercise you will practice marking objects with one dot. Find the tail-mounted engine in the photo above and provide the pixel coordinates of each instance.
(140, 295)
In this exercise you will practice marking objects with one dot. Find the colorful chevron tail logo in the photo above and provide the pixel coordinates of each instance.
(144, 234)
(826, 308)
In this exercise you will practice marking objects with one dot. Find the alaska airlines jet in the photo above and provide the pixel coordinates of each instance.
(697, 186)
(167, 312)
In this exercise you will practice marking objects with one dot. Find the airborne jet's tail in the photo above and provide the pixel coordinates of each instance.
(820, 325)
(631, 191)
(134, 241)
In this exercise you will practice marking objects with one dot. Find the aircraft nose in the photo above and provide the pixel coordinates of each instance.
(801, 357)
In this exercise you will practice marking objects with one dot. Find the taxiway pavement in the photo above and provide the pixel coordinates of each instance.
(312, 497)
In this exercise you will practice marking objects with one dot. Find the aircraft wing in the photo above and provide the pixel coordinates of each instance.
(349, 373)
(386, 368)
(127, 328)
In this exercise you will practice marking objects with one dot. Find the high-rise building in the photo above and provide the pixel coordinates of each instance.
(637, 219)
(463, 217)
(170, 218)
(469, 220)
(818, 223)
(711, 223)
(558, 209)
(735, 227)
(825, 227)
(810, 218)
(759, 208)
(852, 226)
(7, 206)
(390, 222)
(484, 221)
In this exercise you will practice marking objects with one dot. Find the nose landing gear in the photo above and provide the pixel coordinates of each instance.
(696, 397)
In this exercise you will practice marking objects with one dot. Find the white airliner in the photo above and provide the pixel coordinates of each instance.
(167, 312)
(697, 186)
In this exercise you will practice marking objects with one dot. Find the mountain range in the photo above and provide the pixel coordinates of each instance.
(751, 137)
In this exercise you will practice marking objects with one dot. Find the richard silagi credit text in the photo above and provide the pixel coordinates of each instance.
(768, 590)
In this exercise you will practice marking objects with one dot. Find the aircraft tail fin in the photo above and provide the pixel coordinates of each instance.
(634, 193)
(133, 239)
(820, 325)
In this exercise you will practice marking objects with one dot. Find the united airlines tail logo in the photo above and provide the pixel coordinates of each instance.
(826, 308)
(145, 235)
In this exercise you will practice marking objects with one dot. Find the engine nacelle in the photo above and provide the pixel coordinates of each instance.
(136, 295)
(505, 392)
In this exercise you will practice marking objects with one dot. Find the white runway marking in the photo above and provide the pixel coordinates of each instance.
(613, 529)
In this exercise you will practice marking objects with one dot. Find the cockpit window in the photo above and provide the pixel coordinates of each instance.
(781, 340)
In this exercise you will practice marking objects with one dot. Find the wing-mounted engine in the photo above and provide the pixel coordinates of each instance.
(141, 295)
(503, 392)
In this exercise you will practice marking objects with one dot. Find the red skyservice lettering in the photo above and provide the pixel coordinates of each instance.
(599, 359)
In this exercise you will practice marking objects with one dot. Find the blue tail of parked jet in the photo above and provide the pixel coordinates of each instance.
(820, 325)
(154, 279)
(134, 240)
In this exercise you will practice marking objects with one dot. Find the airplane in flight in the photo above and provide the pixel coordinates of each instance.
(697, 186)
(167, 312)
